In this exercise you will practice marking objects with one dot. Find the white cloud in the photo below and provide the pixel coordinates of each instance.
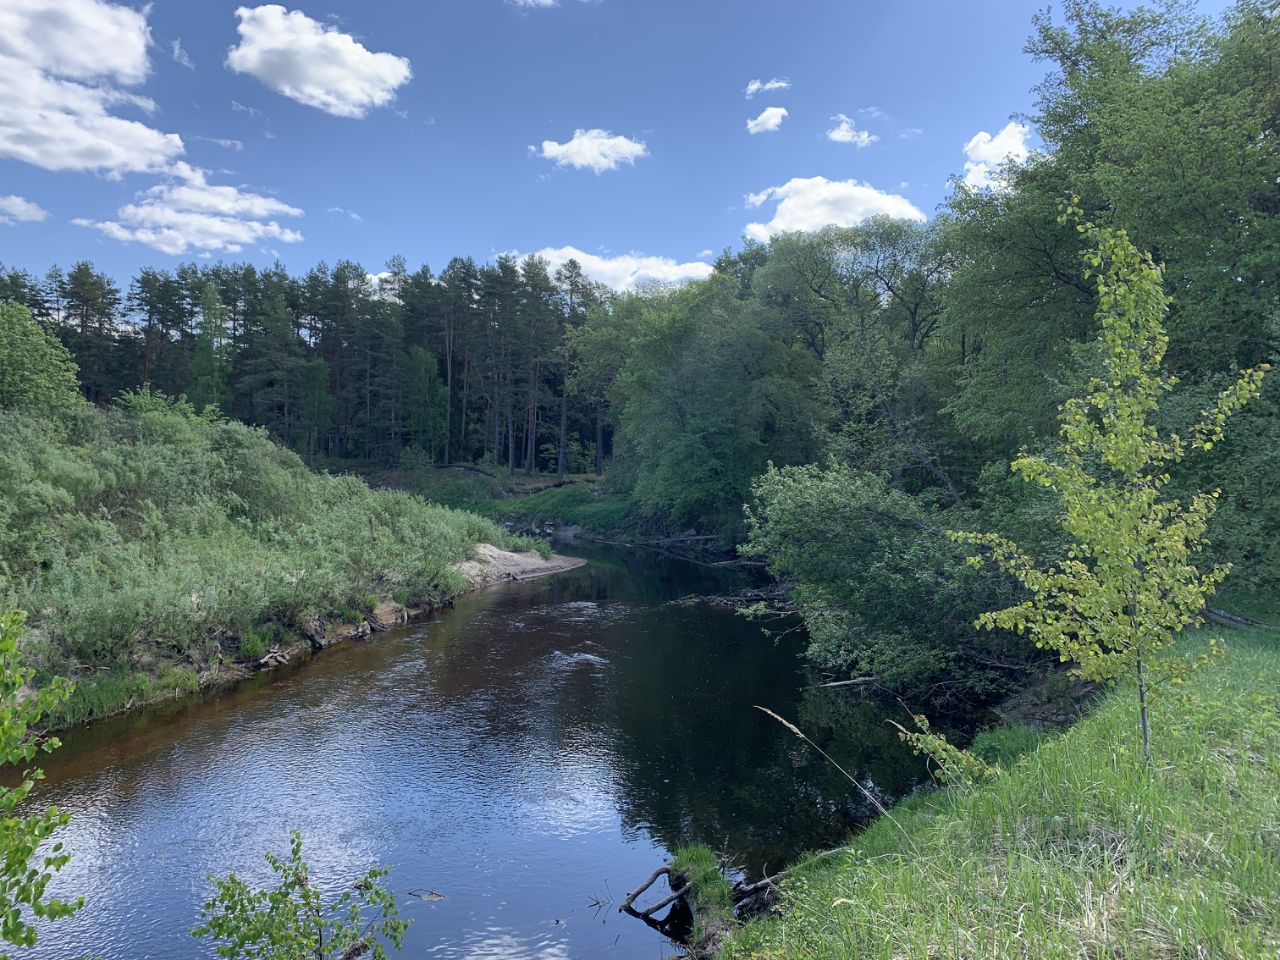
(77, 39)
(227, 143)
(985, 154)
(63, 64)
(534, 4)
(189, 213)
(706, 254)
(14, 208)
(343, 211)
(815, 202)
(314, 63)
(770, 119)
(910, 133)
(597, 150)
(873, 111)
(625, 271)
(766, 86)
(845, 132)
(181, 56)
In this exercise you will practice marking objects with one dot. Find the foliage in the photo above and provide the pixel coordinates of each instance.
(1128, 583)
(37, 372)
(210, 363)
(882, 591)
(710, 390)
(25, 869)
(953, 764)
(1075, 850)
(293, 922)
(150, 536)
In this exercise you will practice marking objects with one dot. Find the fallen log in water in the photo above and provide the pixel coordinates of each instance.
(702, 924)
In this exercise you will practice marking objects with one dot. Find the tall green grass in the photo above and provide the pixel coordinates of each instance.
(1080, 850)
(147, 537)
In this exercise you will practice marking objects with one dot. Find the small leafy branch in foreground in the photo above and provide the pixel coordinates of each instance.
(292, 922)
(24, 871)
(955, 765)
(1128, 583)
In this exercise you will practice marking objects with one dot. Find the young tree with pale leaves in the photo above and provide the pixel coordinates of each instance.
(1128, 584)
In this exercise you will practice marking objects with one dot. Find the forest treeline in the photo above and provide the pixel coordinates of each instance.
(833, 399)
(465, 366)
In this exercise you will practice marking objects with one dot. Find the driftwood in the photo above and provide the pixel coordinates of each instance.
(628, 902)
(275, 657)
(679, 924)
(1224, 619)
(776, 596)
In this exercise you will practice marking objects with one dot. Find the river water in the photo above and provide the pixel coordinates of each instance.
(531, 755)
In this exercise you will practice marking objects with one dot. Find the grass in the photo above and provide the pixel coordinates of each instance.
(573, 504)
(1080, 850)
(710, 895)
(148, 542)
(102, 696)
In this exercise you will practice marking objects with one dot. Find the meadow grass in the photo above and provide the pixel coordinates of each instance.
(1079, 850)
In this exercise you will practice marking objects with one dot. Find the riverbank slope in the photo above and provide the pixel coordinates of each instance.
(158, 549)
(1079, 849)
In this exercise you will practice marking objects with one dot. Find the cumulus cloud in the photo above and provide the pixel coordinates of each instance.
(597, 150)
(77, 39)
(534, 4)
(344, 212)
(314, 63)
(189, 213)
(815, 202)
(770, 119)
(986, 154)
(14, 208)
(626, 271)
(846, 132)
(766, 86)
(64, 69)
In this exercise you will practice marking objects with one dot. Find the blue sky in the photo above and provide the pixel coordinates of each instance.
(330, 129)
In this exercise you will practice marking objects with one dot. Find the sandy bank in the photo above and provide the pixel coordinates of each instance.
(492, 565)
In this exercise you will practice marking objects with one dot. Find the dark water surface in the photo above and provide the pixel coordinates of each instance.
(539, 746)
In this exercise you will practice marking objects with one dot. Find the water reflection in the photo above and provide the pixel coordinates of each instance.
(538, 747)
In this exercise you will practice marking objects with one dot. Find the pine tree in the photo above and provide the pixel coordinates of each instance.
(211, 362)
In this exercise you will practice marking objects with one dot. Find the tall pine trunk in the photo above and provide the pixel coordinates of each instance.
(448, 389)
(564, 426)
(599, 441)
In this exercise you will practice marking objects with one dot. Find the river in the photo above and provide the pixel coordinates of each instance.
(531, 755)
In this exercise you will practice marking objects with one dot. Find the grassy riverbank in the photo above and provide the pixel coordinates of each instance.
(1078, 850)
(524, 500)
(156, 549)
